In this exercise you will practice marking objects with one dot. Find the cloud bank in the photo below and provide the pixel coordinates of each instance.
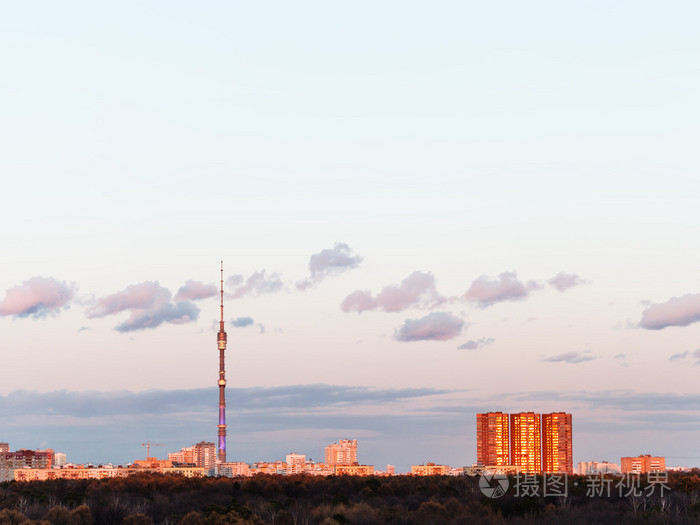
(274, 399)
(436, 326)
(569, 357)
(677, 311)
(329, 262)
(476, 344)
(37, 297)
(257, 284)
(683, 355)
(270, 421)
(242, 322)
(563, 281)
(194, 290)
(149, 304)
(416, 290)
(485, 291)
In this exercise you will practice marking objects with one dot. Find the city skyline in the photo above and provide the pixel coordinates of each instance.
(424, 214)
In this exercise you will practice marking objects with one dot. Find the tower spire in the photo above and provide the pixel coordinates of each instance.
(221, 343)
(221, 324)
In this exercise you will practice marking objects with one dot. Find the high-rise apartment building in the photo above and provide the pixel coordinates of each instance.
(205, 454)
(557, 447)
(525, 442)
(59, 459)
(202, 454)
(492, 439)
(9, 461)
(344, 452)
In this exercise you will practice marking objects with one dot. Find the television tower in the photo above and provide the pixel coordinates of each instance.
(221, 342)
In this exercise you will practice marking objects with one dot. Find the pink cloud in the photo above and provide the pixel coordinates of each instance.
(331, 261)
(149, 304)
(436, 326)
(569, 357)
(257, 284)
(677, 311)
(193, 290)
(475, 344)
(358, 301)
(563, 281)
(37, 297)
(683, 355)
(507, 287)
(145, 295)
(416, 290)
(179, 313)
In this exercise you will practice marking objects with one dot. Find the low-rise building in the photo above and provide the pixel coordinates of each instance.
(234, 469)
(642, 464)
(430, 469)
(585, 468)
(353, 470)
(105, 471)
(72, 472)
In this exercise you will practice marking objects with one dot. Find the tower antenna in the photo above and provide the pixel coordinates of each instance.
(221, 324)
(221, 343)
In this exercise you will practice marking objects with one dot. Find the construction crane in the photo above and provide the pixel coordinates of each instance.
(148, 446)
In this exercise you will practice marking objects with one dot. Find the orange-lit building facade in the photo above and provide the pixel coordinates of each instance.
(203, 455)
(77, 472)
(525, 442)
(234, 469)
(23, 458)
(353, 470)
(344, 452)
(642, 464)
(430, 469)
(80, 472)
(557, 448)
(492, 439)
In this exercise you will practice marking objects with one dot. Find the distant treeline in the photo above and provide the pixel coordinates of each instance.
(306, 500)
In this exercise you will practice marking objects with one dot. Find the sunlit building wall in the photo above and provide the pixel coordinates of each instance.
(597, 467)
(557, 455)
(342, 453)
(492, 439)
(204, 455)
(235, 469)
(295, 459)
(9, 461)
(183, 456)
(642, 464)
(59, 459)
(525, 442)
(430, 469)
(354, 470)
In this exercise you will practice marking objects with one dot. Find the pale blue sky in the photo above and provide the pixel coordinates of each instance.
(144, 141)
